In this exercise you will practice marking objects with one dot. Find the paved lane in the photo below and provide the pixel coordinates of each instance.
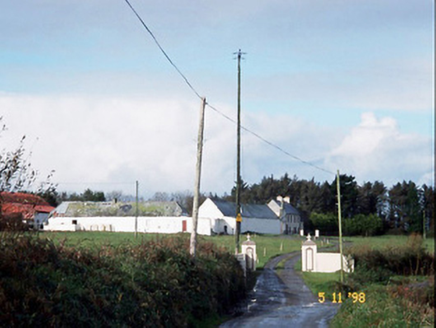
(283, 300)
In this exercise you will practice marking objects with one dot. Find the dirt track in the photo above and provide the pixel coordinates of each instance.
(281, 299)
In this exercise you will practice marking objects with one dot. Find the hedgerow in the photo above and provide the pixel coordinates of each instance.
(155, 284)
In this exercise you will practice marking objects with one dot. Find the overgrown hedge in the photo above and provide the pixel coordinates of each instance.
(12, 222)
(378, 265)
(155, 284)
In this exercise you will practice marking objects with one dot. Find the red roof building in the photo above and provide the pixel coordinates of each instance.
(32, 207)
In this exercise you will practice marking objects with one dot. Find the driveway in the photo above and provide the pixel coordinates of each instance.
(282, 299)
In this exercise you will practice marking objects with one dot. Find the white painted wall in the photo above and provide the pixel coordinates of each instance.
(312, 261)
(270, 226)
(330, 262)
(204, 226)
(127, 224)
(209, 210)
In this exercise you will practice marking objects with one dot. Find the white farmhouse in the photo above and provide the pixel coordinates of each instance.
(255, 218)
(289, 216)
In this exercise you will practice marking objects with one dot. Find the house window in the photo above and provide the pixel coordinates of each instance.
(74, 221)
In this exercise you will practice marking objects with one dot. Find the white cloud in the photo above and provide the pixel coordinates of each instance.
(107, 141)
(377, 150)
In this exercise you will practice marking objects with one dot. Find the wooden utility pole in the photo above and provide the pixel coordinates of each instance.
(193, 244)
(238, 160)
(338, 185)
(137, 210)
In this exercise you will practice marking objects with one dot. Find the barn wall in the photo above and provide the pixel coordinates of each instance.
(127, 224)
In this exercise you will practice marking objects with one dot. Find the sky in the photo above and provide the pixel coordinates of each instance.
(342, 85)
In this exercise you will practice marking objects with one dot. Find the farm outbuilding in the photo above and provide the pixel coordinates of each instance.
(34, 210)
(153, 217)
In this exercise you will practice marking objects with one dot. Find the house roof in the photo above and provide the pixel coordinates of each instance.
(149, 208)
(26, 204)
(287, 208)
(247, 210)
(21, 198)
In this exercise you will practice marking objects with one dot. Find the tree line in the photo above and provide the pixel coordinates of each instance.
(403, 207)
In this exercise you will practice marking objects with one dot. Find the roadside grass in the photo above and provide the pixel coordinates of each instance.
(384, 307)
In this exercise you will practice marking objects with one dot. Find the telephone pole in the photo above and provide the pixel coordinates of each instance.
(238, 160)
(136, 212)
(193, 243)
(338, 186)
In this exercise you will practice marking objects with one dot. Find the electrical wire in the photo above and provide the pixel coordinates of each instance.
(269, 142)
(163, 51)
(210, 106)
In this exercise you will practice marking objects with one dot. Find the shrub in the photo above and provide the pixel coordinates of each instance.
(375, 265)
(364, 225)
(13, 222)
(155, 284)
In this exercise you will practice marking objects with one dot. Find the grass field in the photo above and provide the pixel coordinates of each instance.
(267, 246)
(387, 240)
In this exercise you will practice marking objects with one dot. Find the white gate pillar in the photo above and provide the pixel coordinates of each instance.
(249, 249)
(308, 255)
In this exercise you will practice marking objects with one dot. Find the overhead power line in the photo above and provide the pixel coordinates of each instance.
(163, 51)
(269, 142)
(210, 106)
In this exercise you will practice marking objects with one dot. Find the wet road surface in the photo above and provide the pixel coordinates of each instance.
(281, 299)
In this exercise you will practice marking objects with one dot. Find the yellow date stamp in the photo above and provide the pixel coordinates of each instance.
(337, 297)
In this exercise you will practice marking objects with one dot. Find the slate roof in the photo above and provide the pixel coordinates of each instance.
(288, 208)
(88, 209)
(247, 210)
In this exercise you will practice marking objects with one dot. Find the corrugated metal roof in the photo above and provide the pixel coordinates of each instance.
(62, 208)
(87, 209)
